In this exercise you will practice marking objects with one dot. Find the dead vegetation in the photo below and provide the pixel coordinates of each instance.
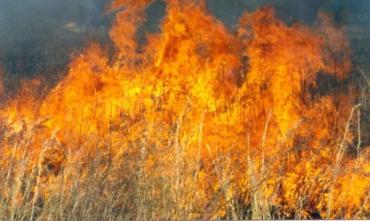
(187, 129)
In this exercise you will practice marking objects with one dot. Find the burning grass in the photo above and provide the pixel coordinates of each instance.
(199, 123)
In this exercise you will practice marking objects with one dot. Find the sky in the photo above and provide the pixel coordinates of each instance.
(39, 36)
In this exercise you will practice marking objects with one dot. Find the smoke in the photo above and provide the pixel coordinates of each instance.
(39, 36)
(292, 10)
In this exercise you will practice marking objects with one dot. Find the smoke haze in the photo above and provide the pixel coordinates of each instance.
(39, 36)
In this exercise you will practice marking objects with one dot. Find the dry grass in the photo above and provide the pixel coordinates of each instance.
(97, 186)
(147, 180)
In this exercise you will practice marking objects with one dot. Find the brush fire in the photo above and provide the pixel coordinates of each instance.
(199, 121)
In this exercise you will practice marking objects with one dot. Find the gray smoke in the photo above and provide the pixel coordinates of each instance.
(38, 36)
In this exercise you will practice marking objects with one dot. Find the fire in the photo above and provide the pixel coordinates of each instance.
(226, 116)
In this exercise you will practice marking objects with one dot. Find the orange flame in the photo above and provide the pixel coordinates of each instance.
(234, 106)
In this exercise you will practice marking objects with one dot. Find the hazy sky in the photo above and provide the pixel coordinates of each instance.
(39, 35)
